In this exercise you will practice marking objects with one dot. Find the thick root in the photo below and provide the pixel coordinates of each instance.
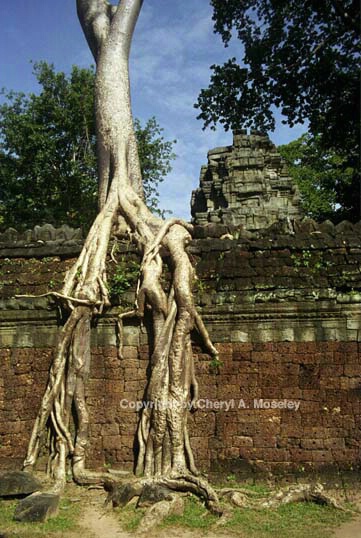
(302, 493)
(315, 493)
(154, 490)
(159, 511)
(163, 437)
(165, 452)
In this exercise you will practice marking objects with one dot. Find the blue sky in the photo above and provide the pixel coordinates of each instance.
(173, 47)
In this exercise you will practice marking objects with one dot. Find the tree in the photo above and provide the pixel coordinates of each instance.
(155, 155)
(47, 148)
(322, 176)
(165, 456)
(302, 57)
(48, 164)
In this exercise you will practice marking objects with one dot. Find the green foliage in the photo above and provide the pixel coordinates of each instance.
(48, 152)
(216, 363)
(325, 180)
(303, 260)
(124, 277)
(312, 260)
(303, 58)
(155, 155)
(258, 490)
(200, 286)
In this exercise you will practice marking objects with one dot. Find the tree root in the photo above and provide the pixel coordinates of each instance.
(302, 493)
(315, 493)
(153, 490)
(60, 296)
(159, 511)
(164, 496)
(165, 454)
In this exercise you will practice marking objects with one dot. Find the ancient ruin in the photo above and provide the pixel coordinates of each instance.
(245, 184)
(283, 311)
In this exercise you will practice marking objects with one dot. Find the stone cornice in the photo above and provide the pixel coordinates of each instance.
(285, 322)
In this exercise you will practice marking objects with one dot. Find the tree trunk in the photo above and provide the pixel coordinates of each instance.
(164, 449)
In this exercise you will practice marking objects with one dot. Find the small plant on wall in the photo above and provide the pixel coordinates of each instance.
(125, 276)
(314, 261)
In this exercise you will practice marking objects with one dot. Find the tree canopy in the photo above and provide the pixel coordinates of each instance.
(48, 166)
(322, 176)
(303, 58)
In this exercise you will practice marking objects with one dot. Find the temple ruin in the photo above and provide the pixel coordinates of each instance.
(246, 184)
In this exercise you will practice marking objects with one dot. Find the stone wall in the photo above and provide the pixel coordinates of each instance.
(284, 312)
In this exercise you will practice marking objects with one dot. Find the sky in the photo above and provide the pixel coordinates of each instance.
(173, 48)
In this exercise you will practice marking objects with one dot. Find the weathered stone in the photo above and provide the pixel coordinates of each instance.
(327, 227)
(46, 232)
(9, 236)
(344, 227)
(212, 230)
(13, 483)
(246, 185)
(306, 226)
(69, 233)
(41, 241)
(37, 507)
(284, 312)
(280, 227)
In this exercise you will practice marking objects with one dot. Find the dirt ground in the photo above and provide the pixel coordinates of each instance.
(350, 530)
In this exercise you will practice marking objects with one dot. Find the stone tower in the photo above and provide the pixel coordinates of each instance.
(245, 184)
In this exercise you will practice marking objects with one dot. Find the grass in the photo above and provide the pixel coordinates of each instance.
(195, 516)
(299, 520)
(256, 490)
(130, 517)
(65, 521)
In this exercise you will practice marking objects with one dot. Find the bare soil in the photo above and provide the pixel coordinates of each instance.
(352, 529)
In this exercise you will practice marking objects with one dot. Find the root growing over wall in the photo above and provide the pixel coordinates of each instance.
(165, 453)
